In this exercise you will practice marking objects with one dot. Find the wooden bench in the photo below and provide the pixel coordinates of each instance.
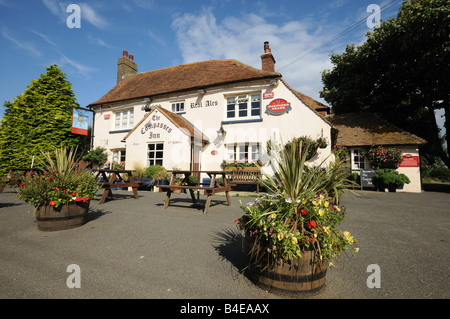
(245, 177)
(213, 187)
(113, 179)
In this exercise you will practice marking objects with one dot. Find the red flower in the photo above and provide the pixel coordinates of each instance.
(52, 203)
(312, 240)
(22, 184)
(78, 199)
(74, 194)
(304, 212)
(311, 224)
(236, 220)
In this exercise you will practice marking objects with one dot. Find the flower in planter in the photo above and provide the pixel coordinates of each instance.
(383, 157)
(300, 214)
(61, 182)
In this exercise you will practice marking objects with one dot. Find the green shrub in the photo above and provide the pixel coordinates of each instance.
(440, 173)
(152, 170)
(391, 177)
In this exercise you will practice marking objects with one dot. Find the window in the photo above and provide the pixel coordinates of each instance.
(119, 156)
(124, 119)
(155, 154)
(242, 153)
(178, 107)
(244, 106)
(357, 160)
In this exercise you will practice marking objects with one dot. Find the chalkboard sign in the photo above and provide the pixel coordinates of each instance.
(367, 177)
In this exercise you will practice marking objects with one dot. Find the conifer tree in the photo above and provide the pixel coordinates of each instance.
(39, 119)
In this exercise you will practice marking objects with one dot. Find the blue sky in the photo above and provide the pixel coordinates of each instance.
(302, 35)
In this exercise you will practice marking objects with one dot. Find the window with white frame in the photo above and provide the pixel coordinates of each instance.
(124, 119)
(357, 160)
(178, 107)
(119, 156)
(155, 154)
(242, 153)
(244, 106)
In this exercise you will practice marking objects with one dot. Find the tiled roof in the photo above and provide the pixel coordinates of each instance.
(184, 77)
(366, 129)
(177, 120)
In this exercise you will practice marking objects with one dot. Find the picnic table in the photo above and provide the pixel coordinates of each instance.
(186, 184)
(112, 178)
(25, 170)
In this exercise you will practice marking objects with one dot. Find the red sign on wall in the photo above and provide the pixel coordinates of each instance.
(268, 95)
(278, 107)
(409, 161)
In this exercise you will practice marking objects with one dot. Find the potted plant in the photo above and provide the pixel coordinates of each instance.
(97, 157)
(62, 194)
(381, 157)
(292, 234)
(390, 179)
(161, 177)
(178, 181)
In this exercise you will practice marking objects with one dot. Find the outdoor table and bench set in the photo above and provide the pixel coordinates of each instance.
(110, 179)
(186, 184)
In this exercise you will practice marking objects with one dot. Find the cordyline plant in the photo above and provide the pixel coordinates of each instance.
(300, 213)
(61, 181)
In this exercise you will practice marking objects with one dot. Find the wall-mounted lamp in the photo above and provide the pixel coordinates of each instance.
(201, 91)
(221, 131)
(274, 82)
(147, 107)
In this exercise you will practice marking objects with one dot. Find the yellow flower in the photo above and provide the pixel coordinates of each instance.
(346, 234)
(326, 204)
(321, 197)
(321, 212)
(304, 201)
(327, 229)
(315, 203)
(273, 216)
(280, 236)
(294, 240)
(350, 240)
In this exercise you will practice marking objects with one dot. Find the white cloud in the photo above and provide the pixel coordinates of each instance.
(46, 38)
(79, 67)
(23, 45)
(202, 37)
(88, 13)
(99, 42)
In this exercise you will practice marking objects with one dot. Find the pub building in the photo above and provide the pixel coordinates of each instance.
(195, 116)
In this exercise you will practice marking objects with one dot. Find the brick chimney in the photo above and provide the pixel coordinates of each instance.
(267, 59)
(125, 66)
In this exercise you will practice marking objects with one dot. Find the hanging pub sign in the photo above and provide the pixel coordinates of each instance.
(80, 122)
(278, 107)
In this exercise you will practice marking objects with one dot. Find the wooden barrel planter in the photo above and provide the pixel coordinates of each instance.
(296, 278)
(70, 215)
